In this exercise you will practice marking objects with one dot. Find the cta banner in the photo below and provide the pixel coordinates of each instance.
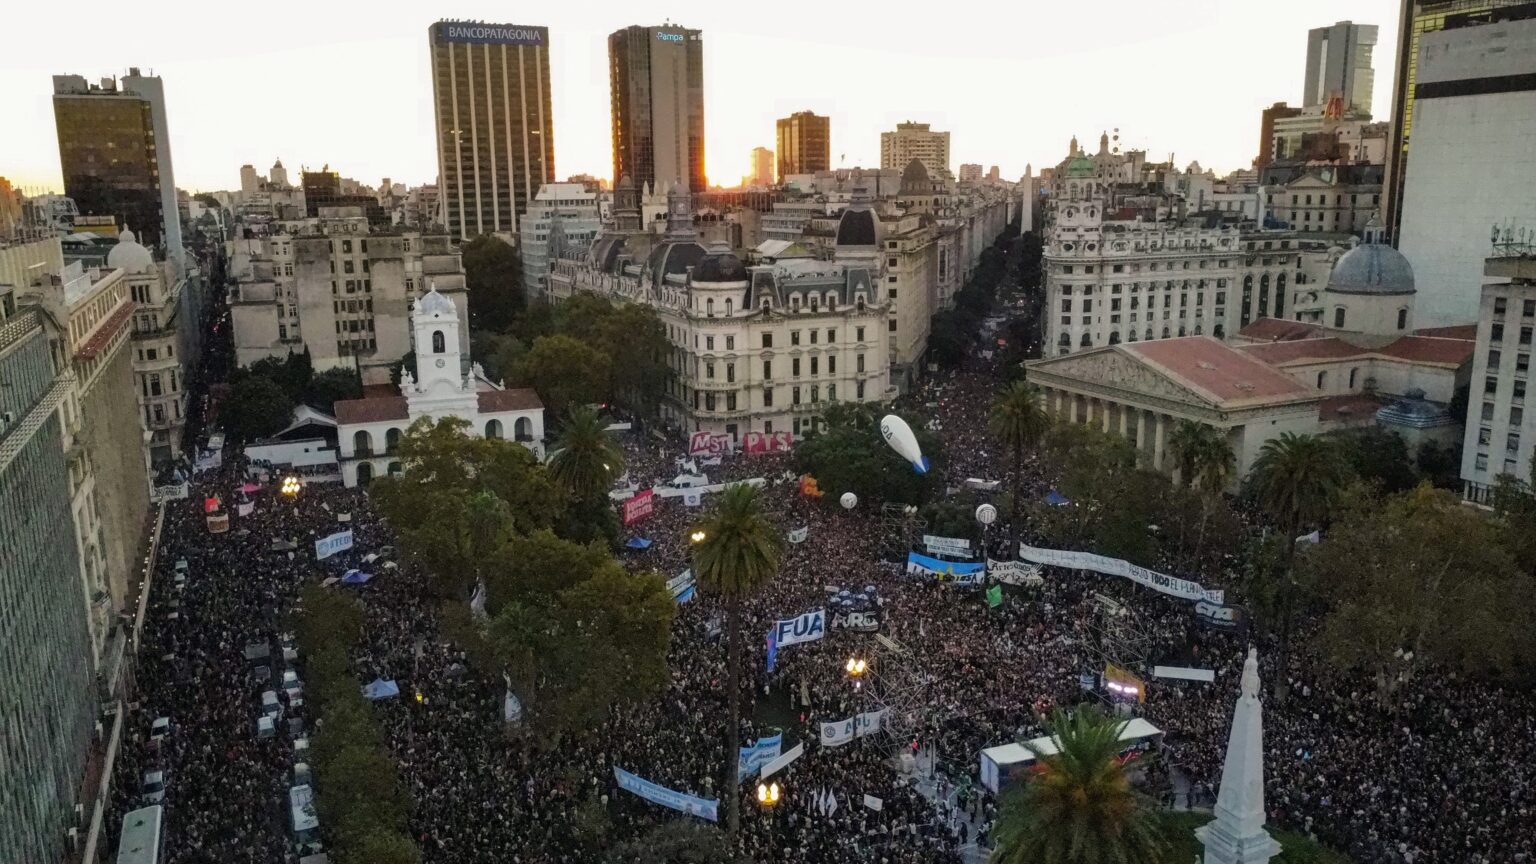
(802, 628)
(1014, 572)
(325, 547)
(867, 621)
(958, 572)
(656, 794)
(840, 732)
(757, 754)
(1160, 582)
(639, 506)
(1215, 616)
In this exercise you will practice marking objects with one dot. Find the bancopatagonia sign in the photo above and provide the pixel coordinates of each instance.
(475, 33)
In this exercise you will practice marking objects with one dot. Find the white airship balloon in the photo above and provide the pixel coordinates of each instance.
(899, 435)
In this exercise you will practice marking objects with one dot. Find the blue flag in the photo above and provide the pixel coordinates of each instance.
(773, 649)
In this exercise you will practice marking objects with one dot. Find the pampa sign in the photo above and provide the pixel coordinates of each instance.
(477, 33)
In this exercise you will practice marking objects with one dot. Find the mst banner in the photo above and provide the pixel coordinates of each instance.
(1160, 582)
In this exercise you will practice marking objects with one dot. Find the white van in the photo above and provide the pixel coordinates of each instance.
(265, 728)
(154, 786)
(269, 704)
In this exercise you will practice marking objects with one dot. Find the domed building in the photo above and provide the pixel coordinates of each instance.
(129, 255)
(1371, 288)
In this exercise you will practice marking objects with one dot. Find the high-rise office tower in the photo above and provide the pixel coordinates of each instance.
(805, 144)
(656, 79)
(762, 166)
(115, 152)
(495, 124)
(915, 141)
(1339, 64)
(1418, 18)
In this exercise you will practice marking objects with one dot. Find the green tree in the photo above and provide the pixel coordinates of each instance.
(493, 275)
(406, 361)
(566, 373)
(736, 556)
(849, 455)
(1019, 422)
(330, 387)
(1205, 462)
(1378, 456)
(1079, 807)
(676, 842)
(255, 408)
(1419, 580)
(1297, 479)
(586, 459)
(636, 342)
(444, 506)
(497, 353)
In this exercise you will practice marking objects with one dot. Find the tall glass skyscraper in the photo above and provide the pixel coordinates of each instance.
(495, 123)
(656, 77)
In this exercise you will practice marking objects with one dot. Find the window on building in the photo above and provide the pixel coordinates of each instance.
(1500, 305)
(439, 344)
(1496, 333)
(858, 334)
(1322, 380)
(832, 364)
(1490, 384)
(794, 394)
(891, 325)
(767, 340)
(1493, 360)
(709, 343)
(768, 397)
(815, 364)
(1338, 318)
(794, 337)
(730, 343)
(730, 373)
(767, 370)
(1402, 319)
(1488, 412)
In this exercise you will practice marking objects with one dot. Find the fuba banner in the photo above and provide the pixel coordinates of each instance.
(757, 754)
(703, 808)
(961, 572)
(325, 547)
(1173, 586)
(802, 628)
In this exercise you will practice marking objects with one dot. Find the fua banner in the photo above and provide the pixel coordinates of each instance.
(1215, 616)
(867, 621)
(325, 547)
(802, 628)
(703, 808)
(1160, 582)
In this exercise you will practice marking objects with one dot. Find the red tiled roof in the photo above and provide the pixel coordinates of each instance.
(1429, 349)
(1278, 330)
(1352, 406)
(105, 332)
(380, 391)
(1229, 377)
(521, 399)
(1326, 348)
(1413, 349)
(374, 410)
(1458, 331)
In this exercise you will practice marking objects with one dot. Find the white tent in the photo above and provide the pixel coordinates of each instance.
(997, 761)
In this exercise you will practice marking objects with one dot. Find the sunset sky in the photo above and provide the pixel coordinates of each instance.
(346, 83)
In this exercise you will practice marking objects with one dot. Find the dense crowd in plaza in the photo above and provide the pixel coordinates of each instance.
(1441, 775)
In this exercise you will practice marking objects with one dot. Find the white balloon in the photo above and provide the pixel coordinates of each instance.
(849, 500)
(899, 435)
(986, 514)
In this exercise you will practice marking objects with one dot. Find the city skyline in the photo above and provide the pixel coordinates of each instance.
(232, 103)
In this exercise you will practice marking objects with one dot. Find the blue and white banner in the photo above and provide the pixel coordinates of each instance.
(325, 547)
(692, 805)
(783, 761)
(802, 628)
(840, 732)
(757, 754)
(1160, 582)
(681, 586)
(960, 572)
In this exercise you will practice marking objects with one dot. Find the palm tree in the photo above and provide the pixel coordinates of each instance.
(1217, 465)
(1078, 807)
(586, 459)
(736, 552)
(1297, 479)
(1019, 422)
(1189, 443)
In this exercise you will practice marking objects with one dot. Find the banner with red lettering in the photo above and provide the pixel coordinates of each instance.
(708, 444)
(639, 507)
(767, 442)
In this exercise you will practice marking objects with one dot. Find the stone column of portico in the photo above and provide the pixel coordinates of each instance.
(1107, 408)
(1141, 438)
(1159, 446)
(1125, 411)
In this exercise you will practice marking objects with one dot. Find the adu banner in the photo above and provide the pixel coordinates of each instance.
(325, 547)
(802, 628)
(639, 506)
(840, 732)
(1160, 582)
(958, 572)
(703, 808)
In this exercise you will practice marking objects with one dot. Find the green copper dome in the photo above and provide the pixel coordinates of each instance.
(1081, 166)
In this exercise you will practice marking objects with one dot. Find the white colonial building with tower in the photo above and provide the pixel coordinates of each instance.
(369, 429)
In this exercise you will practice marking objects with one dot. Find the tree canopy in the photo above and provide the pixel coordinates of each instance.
(849, 455)
(493, 275)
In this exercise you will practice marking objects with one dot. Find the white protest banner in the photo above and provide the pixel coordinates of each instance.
(693, 498)
(947, 545)
(783, 761)
(873, 803)
(245, 508)
(1014, 572)
(325, 547)
(798, 535)
(802, 628)
(868, 723)
(840, 732)
(1160, 582)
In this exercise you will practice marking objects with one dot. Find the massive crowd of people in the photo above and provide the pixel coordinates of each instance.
(1441, 775)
